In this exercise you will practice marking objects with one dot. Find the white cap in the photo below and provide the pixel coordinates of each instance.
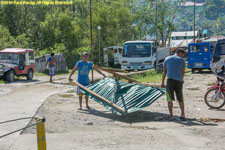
(84, 53)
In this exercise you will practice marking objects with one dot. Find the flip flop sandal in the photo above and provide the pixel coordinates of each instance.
(182, 118)
(170, 118)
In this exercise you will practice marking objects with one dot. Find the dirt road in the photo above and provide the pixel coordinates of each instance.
(68, 128)
(22, 99)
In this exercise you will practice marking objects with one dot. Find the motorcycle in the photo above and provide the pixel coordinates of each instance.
(215, 95)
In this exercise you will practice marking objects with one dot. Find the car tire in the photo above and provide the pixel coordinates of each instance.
(30, 74)
(10, 76)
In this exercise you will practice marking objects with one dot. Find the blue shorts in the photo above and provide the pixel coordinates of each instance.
(51, 70)
(78, 89)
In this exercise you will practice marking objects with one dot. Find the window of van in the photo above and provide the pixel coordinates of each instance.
(205, 48)
(212, 48)
(222, 48)
(195, 49)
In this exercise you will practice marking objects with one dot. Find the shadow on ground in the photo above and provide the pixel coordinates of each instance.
(146, 116)
(22, 81)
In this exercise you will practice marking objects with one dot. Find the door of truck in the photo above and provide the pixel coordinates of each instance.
(218, 53)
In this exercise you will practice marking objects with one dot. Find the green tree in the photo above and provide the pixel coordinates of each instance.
(161, 19)
(6, 40)
(214, 8)
(116, 21)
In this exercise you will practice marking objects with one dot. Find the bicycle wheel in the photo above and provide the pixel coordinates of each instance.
(213, 99)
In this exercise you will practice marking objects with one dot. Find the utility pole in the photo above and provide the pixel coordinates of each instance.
(90, 29)
(99, 51)
(194, 21)
(217, 27)
(92, 73)
(156, 35)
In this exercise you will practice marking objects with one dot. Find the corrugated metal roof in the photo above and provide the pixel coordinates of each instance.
(128, 96)
(184, 33)
(180, 43)
(192, 4)
(16, 50)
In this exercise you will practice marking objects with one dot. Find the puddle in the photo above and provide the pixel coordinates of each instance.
(66, 95)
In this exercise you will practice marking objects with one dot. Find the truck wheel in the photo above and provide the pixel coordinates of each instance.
(10, 76)
(29, 75)
(193, 70)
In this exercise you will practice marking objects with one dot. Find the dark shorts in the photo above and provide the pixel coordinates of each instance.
(174, 86)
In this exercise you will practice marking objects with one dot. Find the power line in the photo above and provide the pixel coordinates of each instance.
(146, 3)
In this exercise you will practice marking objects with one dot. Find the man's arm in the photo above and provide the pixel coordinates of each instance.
(99, 71)
(163, 76)
(46, 64)
(183, 73)
(74, 69)
(55, 62)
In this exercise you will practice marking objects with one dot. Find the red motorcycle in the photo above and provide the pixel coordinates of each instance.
(215, 95)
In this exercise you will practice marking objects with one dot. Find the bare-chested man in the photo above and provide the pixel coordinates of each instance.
(51, 62)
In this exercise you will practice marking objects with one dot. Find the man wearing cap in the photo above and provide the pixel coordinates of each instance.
(174, 69)
(83, 66)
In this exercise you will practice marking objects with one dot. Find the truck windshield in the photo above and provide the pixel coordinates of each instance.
(137, 50)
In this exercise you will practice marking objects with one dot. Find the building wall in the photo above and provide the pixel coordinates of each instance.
(40, 63)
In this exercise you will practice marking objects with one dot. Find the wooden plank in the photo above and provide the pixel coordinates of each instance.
(116, 70)
(117, 74)
(99, 96)
(127, 78)
(151, 85)
(138, 72)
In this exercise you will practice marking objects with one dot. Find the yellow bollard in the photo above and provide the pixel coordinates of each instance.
(41, 139)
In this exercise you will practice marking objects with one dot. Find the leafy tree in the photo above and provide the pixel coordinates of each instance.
(162, 19)
(6, 40)
(115, 20)
(214, 8)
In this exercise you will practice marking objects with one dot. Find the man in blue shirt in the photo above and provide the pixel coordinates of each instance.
(174, 69)
(83, 66)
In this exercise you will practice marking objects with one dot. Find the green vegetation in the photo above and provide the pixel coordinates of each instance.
(2, 81)
(206, 17)
(195, 88)
(66, 28)
(149, 77)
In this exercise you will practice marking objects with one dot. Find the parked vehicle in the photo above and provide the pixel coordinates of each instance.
(200, 56)
(112, 55)
(140, 55)
(16, 61)
(215, 95)
(218, 53)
